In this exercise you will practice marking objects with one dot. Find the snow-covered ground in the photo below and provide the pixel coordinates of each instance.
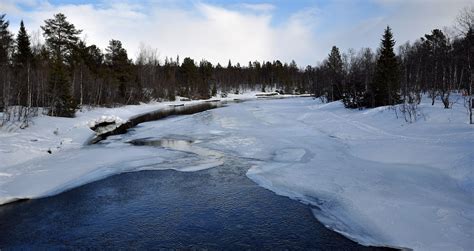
(377, 179)
(369, 175)
(59, 134)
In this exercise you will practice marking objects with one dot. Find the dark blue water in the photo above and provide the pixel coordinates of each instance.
(219, 208)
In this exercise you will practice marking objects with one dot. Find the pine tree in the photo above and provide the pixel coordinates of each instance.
(61, 38)
(116, 55)
(335, 67)
(22, 59)
(386, 83)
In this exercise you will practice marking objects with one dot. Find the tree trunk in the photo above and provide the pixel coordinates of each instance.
(470, 95)
(82, 92)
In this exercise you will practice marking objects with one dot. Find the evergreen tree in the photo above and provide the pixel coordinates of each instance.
(23, 52)
(60, 35)
(385, 85)
(205, 70)
(437, 48)
(116, 55)
(22, 59)
(214, 90)
(335, 68)
(6, 42)
(169, 70)
(62, 102)
(120, 66)
(188, 77)
(61, 38)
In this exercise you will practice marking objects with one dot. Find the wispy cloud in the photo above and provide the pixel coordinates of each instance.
(264, 7)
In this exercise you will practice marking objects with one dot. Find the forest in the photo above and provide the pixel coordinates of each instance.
(65, 73)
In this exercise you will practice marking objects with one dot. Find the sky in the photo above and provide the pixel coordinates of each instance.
(240, 31)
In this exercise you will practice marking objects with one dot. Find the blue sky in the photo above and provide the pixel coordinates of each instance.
(218, 30)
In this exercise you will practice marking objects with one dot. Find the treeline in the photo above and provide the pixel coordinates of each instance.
(65, 73)
(434, 64)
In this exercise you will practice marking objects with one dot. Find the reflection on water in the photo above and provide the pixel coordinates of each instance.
(208, 158)
(178, 144)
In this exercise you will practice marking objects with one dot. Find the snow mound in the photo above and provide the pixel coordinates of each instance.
(106, 119)
(105, 124)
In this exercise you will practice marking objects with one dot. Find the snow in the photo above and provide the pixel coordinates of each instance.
(49, 156)
(60, 134)
(376, 179)
(103, 119)
(368, 175)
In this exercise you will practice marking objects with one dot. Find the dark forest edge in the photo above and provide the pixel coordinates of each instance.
(65, 74)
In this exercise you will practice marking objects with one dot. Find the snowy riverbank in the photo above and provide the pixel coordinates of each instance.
(377, 179)
(59, 134)
(371, 176)
(29, 157)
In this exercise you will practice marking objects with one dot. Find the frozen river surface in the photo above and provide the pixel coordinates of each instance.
(211, 209)
(191, 181)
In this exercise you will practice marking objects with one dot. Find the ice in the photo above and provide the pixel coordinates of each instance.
(49, 156)
(289, 155)
(109, 119)
(374, 178)
(368, 175)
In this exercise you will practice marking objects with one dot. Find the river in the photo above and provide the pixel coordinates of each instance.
(214, 208)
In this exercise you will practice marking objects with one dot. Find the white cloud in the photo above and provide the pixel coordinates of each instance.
(264, 7)
(409, 21)
(202, 32)
(246, 33)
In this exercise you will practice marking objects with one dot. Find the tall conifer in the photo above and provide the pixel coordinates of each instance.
(386, 83)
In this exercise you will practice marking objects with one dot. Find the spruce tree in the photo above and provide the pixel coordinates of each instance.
(62, 102)
(386, 83)
(188, 77)
(205, 72)
(117, 60)
(6, 43)
(335, 67)
(22, 59)
(23, 52)
(5, 40)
